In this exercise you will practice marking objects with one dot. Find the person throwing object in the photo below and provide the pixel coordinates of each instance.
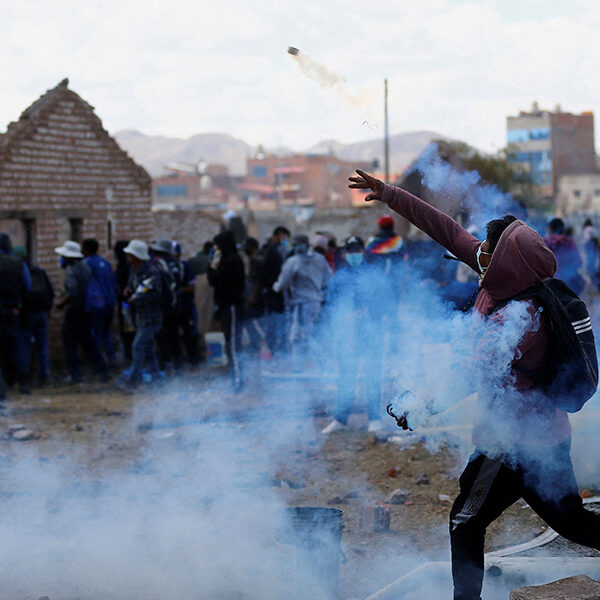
(522, 438)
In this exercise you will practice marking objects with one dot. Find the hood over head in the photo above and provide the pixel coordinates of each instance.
(226, 242)
(520, 260)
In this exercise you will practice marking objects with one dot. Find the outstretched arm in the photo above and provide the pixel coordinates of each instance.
(439, 226)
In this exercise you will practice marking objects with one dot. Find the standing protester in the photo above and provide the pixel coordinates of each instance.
(36, 314)
(169, 348)
(188, 317)
(304, 277)
(15, 283)
(357, 293)
(268, 262)
(77, 325)
(144, 294)
(254, 305)
(226, 276)
(203, 296)
(385, 250)
(126, 326)
(102, 317)
(591, 252)
(567, 255)
(385, 246)
(522, 438)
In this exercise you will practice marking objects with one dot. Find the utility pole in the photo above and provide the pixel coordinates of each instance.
(386, 134)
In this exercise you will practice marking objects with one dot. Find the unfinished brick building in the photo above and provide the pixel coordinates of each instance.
(62, 176)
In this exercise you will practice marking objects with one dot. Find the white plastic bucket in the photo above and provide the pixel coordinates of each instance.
(215, 348)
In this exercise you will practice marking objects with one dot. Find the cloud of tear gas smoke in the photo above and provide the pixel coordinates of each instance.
(329, 80)
(483, 202)
(195, 515)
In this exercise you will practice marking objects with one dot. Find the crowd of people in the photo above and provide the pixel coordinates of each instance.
(275, 300)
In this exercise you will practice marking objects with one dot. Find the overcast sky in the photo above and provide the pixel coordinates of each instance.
(182, 67)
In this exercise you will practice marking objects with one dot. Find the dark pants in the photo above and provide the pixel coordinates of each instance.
(77, 331)
(12, 350)
(188, 322)
(229, 317)
(543, 477)
(101, 330)
(169, 347)
(37, 332)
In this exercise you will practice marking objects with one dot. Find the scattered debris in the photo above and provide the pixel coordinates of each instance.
(77, 427)
(422, 479)
(394, 472)
(16, 427)
(375, 518)
(444, 498)
(351, 494)
(570, 588)
(398, 496)
(336, 500)
(24, 435)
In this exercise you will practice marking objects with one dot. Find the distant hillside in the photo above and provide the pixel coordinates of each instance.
(404, 148)
(155, 152)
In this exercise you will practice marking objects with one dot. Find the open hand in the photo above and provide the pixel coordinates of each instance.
(364, 181)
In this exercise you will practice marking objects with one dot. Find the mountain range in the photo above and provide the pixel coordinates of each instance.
(156, 152)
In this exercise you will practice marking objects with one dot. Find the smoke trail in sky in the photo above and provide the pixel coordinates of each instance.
(328, 80)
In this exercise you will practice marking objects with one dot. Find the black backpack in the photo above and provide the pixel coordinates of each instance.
(41, 296)
(571, 377)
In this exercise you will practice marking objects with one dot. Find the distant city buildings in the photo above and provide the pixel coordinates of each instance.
(550, 144)
(200, 185)
(578, 193)
(309, 181)
(318, 181)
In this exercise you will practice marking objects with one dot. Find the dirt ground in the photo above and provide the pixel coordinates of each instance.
(349, 470)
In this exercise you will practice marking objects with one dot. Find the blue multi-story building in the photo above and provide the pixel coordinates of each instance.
(550, 144)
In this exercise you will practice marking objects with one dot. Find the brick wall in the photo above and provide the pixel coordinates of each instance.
(63, 176)
(190, 227)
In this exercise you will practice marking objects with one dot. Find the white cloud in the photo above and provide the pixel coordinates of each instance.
(184, 67)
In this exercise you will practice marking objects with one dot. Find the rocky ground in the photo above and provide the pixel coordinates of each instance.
(98, 431)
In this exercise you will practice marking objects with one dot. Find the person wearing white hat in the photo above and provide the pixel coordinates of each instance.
(144, 294)
(77, 324)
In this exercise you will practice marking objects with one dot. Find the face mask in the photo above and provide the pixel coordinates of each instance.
(300, 249)
(284, 244)
(63, 262)
(482, 270)
(354, 259)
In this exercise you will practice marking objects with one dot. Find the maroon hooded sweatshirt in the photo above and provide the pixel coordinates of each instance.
(520, 259)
